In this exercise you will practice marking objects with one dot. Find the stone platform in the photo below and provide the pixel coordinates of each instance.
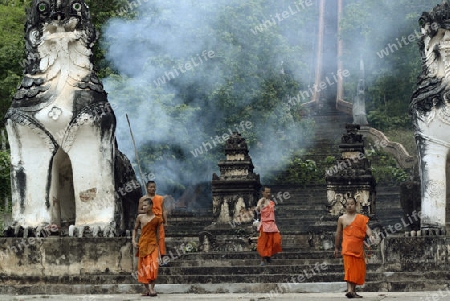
(63, 265)
(442, 295)
(59, 257)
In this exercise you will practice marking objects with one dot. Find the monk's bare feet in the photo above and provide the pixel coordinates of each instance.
(353, 295)
(153, 293)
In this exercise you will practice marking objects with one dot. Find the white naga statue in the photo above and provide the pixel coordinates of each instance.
(430, 109)
(66, 167)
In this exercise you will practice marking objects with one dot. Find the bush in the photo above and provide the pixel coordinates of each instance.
(300, 172)
(382, 122)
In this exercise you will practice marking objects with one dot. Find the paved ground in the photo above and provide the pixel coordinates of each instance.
(368, 296)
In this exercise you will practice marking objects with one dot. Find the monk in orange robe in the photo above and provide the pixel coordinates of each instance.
(158, 210)
(148, 251)
(354, 228)
(269, 241)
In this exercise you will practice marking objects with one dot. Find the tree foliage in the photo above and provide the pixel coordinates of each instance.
(385, 34)
(12, 19)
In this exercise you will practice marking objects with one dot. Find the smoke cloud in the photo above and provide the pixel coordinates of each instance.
(179, 62)
(173, 47)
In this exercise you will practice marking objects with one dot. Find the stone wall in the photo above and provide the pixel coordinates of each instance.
(425, 253)
(65, 256)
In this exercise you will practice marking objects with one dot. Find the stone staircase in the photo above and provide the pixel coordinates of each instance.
(328, 130)
(307, 263)
(308, 241)
(308, 244)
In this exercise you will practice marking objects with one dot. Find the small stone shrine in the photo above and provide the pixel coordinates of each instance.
(237, 188)
(351, 176)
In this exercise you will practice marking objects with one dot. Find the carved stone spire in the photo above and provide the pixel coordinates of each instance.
(236, 186)
(351, 176)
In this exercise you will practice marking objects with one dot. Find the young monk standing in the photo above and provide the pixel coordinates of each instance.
(158, 210)
(148, 250)
(269, 241)
(354, 228)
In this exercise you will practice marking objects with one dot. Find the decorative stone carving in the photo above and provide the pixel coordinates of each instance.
(237, 187)
(397, 150)
(351, 176)
(65, 165)
(429, 108)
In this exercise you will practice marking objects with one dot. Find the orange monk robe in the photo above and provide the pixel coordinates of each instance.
(158, 211)
(353, 250)
(269, 241)
(148, 253)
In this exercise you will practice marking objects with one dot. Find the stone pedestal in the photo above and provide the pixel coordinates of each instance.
(237, 188)
(351, 176)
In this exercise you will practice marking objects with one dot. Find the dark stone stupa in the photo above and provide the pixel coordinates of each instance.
(351, 176)
(238, 186)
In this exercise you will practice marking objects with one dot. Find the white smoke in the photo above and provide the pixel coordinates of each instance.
(184, 33)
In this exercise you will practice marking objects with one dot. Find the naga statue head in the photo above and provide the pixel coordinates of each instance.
(433, 88)
(58, 18)
(59, 37)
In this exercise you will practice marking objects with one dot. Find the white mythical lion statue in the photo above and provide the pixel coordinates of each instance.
(430, 109)
(66, 167)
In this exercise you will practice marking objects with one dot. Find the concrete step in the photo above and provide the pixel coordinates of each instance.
(308, 218)
(263, 277)
(302, 203)
(374, 290)
(230, 291)
(285, 255)
(263, 274)
(249, 262)
(254, 269)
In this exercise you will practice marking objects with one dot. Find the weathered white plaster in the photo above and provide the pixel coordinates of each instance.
(352, 155)
(224, 216)
(236, 157)
(236, 172)
(337, 200)
(63, 165)
(237, 208)
(432, 130)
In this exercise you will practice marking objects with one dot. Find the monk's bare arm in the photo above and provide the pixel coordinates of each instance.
(135, 229)
(338, 236)
(141, 206)
(370, 234)
(258, 205)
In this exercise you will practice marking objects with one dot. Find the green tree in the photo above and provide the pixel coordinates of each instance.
(385, 33)
(12, 20)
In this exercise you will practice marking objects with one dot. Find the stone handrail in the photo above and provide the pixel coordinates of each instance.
(344, 106)
(401, 155)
